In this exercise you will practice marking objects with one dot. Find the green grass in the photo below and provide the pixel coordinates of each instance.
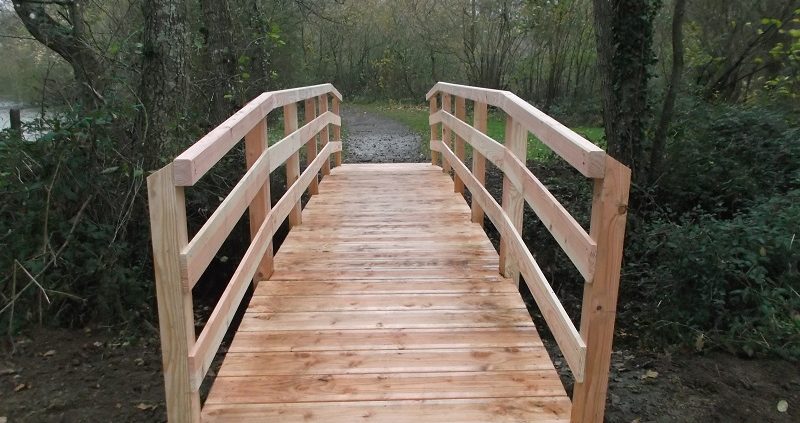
(416, 117)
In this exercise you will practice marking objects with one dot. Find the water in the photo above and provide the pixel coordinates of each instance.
(27, 114)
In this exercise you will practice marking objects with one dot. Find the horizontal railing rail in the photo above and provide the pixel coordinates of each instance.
(180, 262)
(597, 254)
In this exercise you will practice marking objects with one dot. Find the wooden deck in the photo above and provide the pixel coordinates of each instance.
(386, 305)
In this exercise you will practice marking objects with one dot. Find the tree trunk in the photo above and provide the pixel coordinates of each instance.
(660, 137)
(624, 32)
(220, 59)
(71, 43)
(164, 81)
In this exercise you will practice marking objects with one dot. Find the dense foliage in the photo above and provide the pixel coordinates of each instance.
(712, 258)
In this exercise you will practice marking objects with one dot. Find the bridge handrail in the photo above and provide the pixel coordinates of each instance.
(193, 163)
(179, 262)
(597, 254)
(584, 156)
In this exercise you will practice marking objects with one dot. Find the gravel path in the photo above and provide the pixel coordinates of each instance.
(372, 138)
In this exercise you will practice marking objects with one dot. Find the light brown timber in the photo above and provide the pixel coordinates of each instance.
(516, 142)
(337, 130)
(459, 149)
(324, 135)
(480, 122)
(175, 315)
(400, 314)
(310, 110)
(609, 214)
(255, 143)
(293, 163)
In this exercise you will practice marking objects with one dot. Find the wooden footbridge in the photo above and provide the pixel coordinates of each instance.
(386, 302)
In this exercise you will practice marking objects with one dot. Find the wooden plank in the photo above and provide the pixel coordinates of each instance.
(516, 141)
(293, 162)
(609, 214)
(175, 317)
(584, 156)
(446, 137)
(406, 287)
(379, 319)
(324, 135)
(255, 143)
(397, 273)
(381, 387)
(480, 122)
(337, 130)
(193, 163)
(564, 331)
(480, 410)
(385, 361)
(435, 130)
(202, 353)
(385, 339)
(310, 111)
(461, 114)
(495, 410)
(377, 302)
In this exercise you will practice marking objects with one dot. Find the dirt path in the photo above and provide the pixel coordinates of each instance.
(372, 138)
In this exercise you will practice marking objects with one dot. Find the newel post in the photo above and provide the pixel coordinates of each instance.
(255, 144)
(435, 130)
(337, 131)
(446, 138)
(480, 121)
(293, 163)
(516, 143)
(324, 135)
(609, 214)
(176, 321)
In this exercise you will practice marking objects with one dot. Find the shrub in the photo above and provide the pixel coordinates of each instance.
(733, 281)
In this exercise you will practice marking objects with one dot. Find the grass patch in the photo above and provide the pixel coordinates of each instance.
(415, 116)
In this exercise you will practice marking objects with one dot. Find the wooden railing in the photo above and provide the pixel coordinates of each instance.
(180, 262)
(596, 254)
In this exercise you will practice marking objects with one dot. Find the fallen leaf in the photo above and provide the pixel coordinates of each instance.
(9, 371)
(139, 361)
(783, 406)
(49, 353)
(21, 387)
(144, 407)
(650, 374)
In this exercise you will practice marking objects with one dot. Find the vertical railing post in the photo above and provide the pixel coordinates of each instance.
(175, 317)
(609, 213)
(480, 122)
(293, 162)
(337, 132)
(324, 137)
(459, 149)
(255, 144)
(516, 141)
(311, 145)
(435, 128)
(446, 132)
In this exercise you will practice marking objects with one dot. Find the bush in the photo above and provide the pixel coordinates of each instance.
(734, 281)
(72, 222)
(726, 157)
